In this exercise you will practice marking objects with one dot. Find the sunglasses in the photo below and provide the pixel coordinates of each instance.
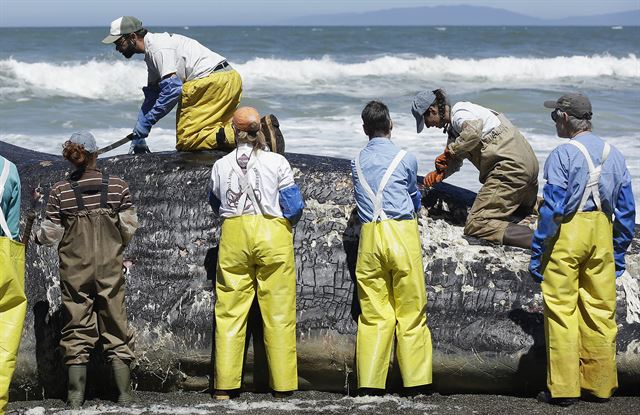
(555, 114)
(120, 41)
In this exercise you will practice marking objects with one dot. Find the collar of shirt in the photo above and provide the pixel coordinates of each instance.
(379, 141)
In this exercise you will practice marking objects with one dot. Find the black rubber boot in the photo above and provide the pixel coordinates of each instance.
(518, 235)
(121, 376)
(545, 396)
(76, 384)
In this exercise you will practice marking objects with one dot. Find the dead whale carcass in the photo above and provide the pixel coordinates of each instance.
(484, 311)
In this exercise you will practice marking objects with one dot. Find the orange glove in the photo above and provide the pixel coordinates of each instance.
(442, 161)
(432, 178)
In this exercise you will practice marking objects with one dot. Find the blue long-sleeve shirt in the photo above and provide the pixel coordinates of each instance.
(566, 172)
(401, 198)
(10, 199)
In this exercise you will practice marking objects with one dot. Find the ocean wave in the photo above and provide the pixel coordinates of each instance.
(109, 80)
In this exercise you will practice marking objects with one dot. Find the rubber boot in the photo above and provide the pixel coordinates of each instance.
(518, 235)
(76, 384)
(121, 376)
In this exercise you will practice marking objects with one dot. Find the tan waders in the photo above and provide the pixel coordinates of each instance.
(509, 173)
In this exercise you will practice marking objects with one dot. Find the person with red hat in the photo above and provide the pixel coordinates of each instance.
(254, 193)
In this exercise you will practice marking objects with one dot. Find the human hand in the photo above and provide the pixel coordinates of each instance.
(432, 178)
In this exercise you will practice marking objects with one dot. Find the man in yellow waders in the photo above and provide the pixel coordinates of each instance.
(578, 251)
(180, 71)
(506, 162)
(389, 269)
(13, 303)
(254, 193)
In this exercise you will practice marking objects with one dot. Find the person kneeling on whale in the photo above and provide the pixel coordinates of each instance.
(507, 164)
(254, 193)
(586, 224)
(201, 82)
(389, 268)
(92, 218)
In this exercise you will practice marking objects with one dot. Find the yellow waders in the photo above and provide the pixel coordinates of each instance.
(579, 291)
(392, 297)
(13, 303)
(256, 257)
(206, 106)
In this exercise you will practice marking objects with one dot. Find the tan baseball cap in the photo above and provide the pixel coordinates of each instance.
(246, 119)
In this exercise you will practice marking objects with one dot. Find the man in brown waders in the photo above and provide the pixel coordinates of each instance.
(92, 217)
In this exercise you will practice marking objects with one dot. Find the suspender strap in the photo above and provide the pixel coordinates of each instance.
(3, 180)
(376, 198)
(79, 190)
(591, 189)
(246, 187)
(77, 193)
(104, 193)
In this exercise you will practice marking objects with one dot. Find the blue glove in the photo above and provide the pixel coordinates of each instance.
(535, 267)
(159, 101)
(291, 203)
(139, 146)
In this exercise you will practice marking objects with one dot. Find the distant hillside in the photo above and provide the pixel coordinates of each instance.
(458, 16)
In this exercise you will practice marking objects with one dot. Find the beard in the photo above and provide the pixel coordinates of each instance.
(130, 50)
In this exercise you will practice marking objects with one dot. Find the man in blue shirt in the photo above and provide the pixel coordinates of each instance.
(389, 270)
(585, 226)
(13, 303)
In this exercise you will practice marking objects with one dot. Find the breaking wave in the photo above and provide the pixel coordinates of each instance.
(107, 80)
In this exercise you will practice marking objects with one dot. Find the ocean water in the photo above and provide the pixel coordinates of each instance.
(54, 81)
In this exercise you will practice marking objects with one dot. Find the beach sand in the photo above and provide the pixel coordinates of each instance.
(310, 402)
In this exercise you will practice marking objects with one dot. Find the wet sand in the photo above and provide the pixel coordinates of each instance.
(308, 402)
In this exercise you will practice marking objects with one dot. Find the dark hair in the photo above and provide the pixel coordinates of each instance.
(76, 154)
(441, 103)
(142, 32)
(376, 119)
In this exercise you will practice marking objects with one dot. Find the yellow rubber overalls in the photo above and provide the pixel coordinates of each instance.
(13, 302)
(255, 258)
(579, 293)
(392, 295)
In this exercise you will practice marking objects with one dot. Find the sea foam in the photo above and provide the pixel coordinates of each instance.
(108, 80)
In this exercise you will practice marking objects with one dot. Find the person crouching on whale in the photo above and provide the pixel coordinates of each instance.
(254, 193)
(507, 164)
(389, 269)
(92, 217)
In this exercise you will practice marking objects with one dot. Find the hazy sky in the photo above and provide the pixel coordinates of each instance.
(258, 12)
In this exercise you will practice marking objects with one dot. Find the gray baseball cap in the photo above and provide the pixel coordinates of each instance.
(421, 103)
(122, 26)
(577, 105)
(86, 139)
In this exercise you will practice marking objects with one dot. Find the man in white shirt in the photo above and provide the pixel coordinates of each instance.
(184, 72)
(507, 164)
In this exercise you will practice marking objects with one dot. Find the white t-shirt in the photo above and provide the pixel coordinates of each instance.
(268, 173)
(466, 111)
(167, 53)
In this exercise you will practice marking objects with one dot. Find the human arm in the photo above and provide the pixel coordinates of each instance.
(468, 139)
(623, 225)
(51, 231)
(13, 212)
(127, 215)
(549, 219)
(412, 185)
(213, 190)
(289, 196)
(159, 101)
